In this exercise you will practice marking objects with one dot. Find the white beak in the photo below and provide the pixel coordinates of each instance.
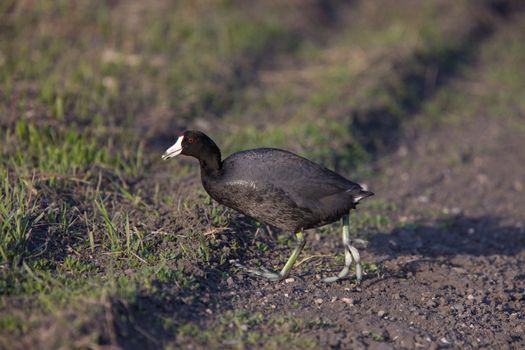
(174, 150)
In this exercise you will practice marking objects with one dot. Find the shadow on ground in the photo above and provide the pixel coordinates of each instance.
(161, 317)
(460, 235)
(155, 319)
(378, 127)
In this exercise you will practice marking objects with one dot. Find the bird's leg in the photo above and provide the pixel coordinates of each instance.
(351, 253)
(274, 276)
(301, 241)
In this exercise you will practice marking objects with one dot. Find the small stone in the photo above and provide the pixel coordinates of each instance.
(333, 299)
(286, 295)
(459, 269)
(503, 296)
(432, 303)
(381, 313)
(518, 296)
(349, 301)
(459, 308)
(229, 280)
(470, 297)
(444, 340)
(482, 178)
(208, 311)
(289, 280)
(318, 301)
(402, 151)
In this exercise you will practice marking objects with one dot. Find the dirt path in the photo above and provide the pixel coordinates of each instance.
(423, 103)
(452, 276)
(449, 257)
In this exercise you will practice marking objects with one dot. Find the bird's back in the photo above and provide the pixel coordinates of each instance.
(282, 189)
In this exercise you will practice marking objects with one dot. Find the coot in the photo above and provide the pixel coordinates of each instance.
(278, 188)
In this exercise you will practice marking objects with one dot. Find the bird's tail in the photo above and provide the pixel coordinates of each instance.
(362, 194)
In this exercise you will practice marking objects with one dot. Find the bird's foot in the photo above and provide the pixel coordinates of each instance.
(357, 260)
(262, 272)
(344, 275)
(334, 278)
(351, 253)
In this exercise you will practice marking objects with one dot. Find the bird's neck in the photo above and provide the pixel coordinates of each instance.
(211, 164)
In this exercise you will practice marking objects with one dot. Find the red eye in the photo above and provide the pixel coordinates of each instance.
(190, 140)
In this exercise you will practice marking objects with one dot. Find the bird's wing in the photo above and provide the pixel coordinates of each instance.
(306, 182)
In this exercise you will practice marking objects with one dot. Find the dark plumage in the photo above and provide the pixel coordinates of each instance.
(281, 189)
(274, 186)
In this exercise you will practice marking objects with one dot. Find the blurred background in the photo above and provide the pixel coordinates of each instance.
(92, 92)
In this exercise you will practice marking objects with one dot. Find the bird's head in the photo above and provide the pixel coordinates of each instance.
(193, 143)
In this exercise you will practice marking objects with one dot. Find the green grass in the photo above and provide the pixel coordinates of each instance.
(181, 56)
(376, 337)
(19, 215)
(492, 90)
(37, 162)
(91, 91)
(50, 153)
(239, 329)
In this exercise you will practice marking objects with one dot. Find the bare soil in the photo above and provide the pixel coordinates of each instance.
(449, 271)
(444, 269)
(454, 282)
(449, 265)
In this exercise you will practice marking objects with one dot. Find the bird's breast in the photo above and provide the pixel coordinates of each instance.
(236, 194)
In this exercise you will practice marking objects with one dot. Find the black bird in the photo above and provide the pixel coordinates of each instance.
(278, 188)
